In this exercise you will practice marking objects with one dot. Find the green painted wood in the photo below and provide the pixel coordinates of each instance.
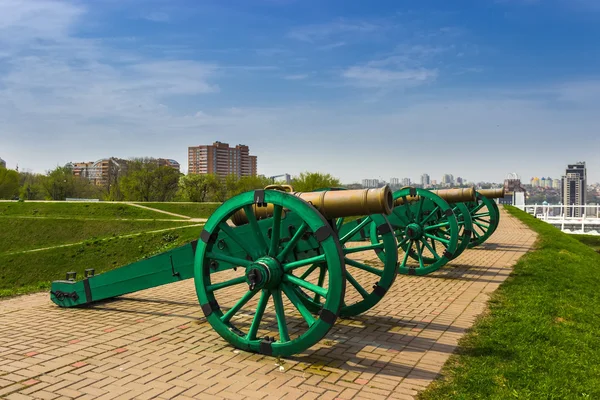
(426, 230)
(171, 266)
(485, 217)
(272, 268)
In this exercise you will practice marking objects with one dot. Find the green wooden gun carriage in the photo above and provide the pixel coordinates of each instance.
(275, 262)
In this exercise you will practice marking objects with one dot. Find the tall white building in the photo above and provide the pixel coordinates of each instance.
(425, 181)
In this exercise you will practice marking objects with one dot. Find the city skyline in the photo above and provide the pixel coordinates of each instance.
(388, 89)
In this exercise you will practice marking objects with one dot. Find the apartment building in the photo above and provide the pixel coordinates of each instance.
(221, 159)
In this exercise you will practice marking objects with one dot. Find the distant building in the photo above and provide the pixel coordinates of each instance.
(425, 181)
(459, 181)
(556, 184)
(448, 180)
(394, 181)
(514, 192)
(574, 189)
(167, 162)
(101, 172)
(406, 182)
(222, 160)
(2, 163)
(370, 183)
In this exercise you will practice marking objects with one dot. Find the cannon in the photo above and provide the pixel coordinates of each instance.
(485, 214)
(268, 246)
(433, 227)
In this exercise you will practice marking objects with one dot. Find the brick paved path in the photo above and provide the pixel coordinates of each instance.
(155, 343)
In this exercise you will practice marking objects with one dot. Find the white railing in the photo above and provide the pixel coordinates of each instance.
(559, 216)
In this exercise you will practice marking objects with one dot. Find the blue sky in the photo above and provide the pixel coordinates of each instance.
(359, 89)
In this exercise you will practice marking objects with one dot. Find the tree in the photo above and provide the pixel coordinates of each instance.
(146, 181)
(197, 187)
(227, 187)
(31, 186)
(166, 183)
(309, 181)
(9, 183)
(137, 184)
(60, 183)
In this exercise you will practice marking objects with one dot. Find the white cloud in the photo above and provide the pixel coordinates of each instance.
(157, 16)
(318, 32)
(370, 77)
(296, 77)
(50, 72)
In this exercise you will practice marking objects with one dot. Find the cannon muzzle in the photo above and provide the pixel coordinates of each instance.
(334, 204)
(460, 195)
(492, 193)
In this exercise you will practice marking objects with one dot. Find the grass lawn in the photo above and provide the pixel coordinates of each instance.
(541, 336)
(193, 210)
(590, 240)
(32, 272)
(78, 210)
(17, 234)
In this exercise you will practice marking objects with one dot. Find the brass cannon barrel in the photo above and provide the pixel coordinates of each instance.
(460, 195)
(334, 204)
(492, 193)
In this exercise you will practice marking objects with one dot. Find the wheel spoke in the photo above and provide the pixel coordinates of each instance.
(364, 267)
(309, 271)
(406, 252)
(407, 211)
(304, 284)
(420, 210)
(420, 254)
(260, 310)
(437, 238)
(291, 294)
(339, 223)
(260, 239)
(435, 255)
(290, 245)
(228, 259)
(437, 226)
(486, 214)
(358, 249)
(355, 230)
(280, 312)
(301, 263)
(477, 208)
(241, 302)
(403, 242)
(356, 285)
(222, 285)
(431, 214)
(275, 230)
(479, 224)
(234, 236)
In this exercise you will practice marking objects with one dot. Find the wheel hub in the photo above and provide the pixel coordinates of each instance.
(266, 272)
(414, 231)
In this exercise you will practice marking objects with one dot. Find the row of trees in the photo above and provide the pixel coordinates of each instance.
(143, 180)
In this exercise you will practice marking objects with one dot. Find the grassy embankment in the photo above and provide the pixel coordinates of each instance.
(103, 236)
(540, 337)
(78, 210)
